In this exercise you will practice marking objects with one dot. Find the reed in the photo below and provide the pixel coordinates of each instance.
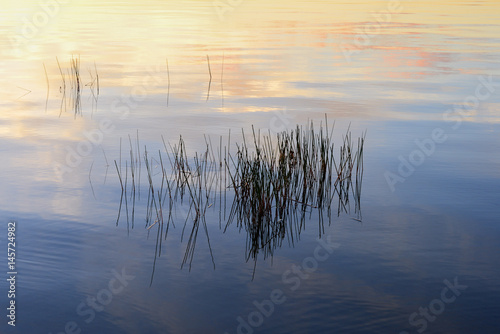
(74, 82)
(276, 183)
(122, 193)
(97, 78)
(71, 87)
(62, 88)
(75, 85)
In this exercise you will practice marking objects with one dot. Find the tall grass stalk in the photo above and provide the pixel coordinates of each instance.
(276, 184)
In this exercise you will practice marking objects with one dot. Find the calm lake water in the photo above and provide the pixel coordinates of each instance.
(421, 78)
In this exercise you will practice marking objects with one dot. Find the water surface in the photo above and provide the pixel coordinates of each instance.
(399, 70)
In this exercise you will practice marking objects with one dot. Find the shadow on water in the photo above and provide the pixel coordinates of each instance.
(276, 184)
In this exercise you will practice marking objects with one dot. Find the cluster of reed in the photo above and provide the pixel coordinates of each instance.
(71, 80)
(280, 181)
(275, 183)
(169, 187)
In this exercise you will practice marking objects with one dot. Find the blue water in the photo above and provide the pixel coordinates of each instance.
(430, 186)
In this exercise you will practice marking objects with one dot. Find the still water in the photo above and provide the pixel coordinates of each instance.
(421, 78)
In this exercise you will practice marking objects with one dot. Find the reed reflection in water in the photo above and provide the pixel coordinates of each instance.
(276, 184)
